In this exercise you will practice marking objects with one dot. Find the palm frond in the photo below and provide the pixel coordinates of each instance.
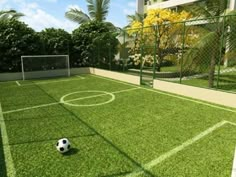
(198, 57)
(207, 8)
(136, 17)
(216, 7)
(10, 14)
(17, 15)
(77, 15)
(98, 9)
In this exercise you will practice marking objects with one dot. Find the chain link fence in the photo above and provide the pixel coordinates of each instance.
(198, 52)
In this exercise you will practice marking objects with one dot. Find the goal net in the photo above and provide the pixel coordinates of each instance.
(43, 66)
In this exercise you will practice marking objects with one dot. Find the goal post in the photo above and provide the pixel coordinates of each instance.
(43, 66)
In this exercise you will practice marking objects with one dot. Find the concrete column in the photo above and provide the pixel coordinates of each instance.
(140, 6)
(232, 5)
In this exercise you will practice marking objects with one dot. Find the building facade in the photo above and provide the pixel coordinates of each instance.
(144, 5)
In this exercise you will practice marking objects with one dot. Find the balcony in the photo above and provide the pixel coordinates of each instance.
(151, 4)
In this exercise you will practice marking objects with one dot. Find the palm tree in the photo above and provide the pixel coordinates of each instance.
(10, 14)
(209, 48)
(97, 9)
(136, 17)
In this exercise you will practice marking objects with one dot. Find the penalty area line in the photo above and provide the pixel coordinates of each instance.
(6, 147)
(179, 148)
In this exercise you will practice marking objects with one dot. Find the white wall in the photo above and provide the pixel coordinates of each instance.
(217, 97)
(40, 74)
(116, 75)
(10, 76)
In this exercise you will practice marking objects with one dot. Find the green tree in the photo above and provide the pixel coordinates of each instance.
(10, 14)
(97, 9)
(55, 41)
(94, 44)
(207, 51)
(17, 39)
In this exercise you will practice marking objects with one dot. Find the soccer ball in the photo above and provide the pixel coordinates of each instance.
(63, 145)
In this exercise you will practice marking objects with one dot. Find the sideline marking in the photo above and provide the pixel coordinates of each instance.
(172, 95)
(18, 83)
(55, 103)
(82, 98)
(6, 147)
(187, 143)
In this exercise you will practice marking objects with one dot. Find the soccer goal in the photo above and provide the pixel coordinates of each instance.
(43, 66)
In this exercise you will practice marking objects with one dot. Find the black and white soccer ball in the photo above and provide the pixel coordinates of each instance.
(63, 145)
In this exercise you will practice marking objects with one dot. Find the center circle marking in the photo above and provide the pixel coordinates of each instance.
(101, 93)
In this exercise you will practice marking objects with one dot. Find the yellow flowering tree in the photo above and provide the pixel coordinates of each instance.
(161, 29)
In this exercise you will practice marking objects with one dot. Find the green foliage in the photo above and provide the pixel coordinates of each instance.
(17, 39)
(55, 41)
(94, 43)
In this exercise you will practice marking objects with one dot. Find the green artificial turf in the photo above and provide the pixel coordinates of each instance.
(113, 139)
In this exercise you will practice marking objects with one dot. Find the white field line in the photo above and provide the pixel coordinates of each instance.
(55, 103)
(172, 152)
(79, 77)
(6, 147)
(18, 83)
(102, 94)
(172, 95)
(28, 108)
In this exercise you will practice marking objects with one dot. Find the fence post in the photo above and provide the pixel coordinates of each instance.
(141, 62)
(123, 50)
(109, 53)
(155, 52)
(220, 50)
(182, 56)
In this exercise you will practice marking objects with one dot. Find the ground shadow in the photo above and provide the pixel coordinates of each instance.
(72, 151)
(3, 171)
